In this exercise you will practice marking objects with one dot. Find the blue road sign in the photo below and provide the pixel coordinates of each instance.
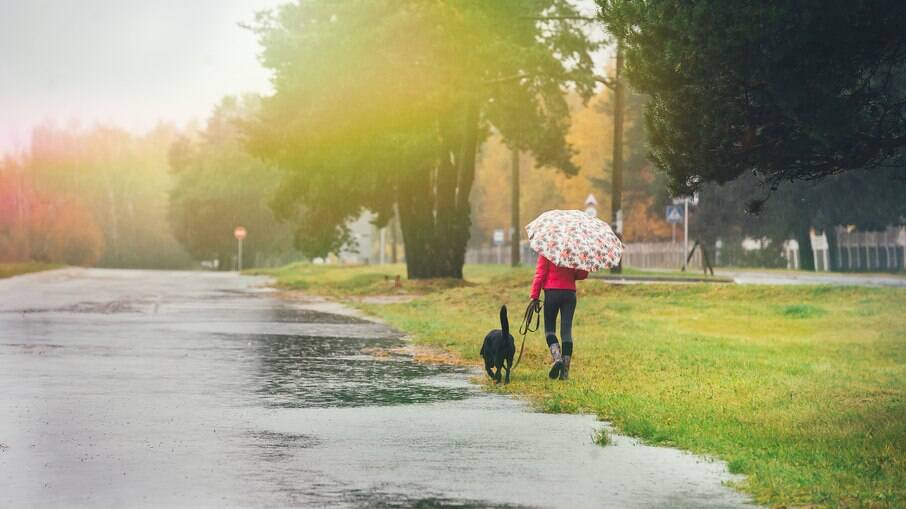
(674, 214)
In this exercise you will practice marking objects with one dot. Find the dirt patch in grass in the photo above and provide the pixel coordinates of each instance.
(419, 353)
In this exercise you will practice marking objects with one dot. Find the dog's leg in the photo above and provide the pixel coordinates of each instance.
(499, 372)
(487, 367)
(509, 363)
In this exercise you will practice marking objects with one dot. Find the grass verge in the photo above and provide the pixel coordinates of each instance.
(341, 281)
(17, 269)
(800, 388)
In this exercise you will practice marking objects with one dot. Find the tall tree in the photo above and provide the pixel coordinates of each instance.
(787, 90)
(220, 186)
(42, 225)
(388, 101)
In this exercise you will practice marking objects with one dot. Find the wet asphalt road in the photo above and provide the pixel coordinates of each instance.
(179, 389)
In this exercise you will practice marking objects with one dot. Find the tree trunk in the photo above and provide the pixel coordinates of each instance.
(434, 208)
(466, 165)
(515, 252)
(835, 262)
(806, 256)
(114, 223)
(445, 210)
(417, 223)
(394, 233)
(616, 181)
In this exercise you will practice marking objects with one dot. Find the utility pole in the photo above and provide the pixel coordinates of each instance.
(514, 212)
(685, 232)
(394, 226)
(239, 232)
(616, 198)
(240, 255)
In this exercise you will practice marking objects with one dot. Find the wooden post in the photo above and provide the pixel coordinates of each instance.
(616, 199)
(514, 212)
(394, 227)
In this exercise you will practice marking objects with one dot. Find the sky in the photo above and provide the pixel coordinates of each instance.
(129, 63)
(125, 63)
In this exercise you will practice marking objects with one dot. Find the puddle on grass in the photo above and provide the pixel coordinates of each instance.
(335, 372)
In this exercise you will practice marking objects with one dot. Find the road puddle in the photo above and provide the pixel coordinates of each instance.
(223, 395)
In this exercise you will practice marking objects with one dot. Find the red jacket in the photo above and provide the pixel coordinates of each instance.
(552, 277)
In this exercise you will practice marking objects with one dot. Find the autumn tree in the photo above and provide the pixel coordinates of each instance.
(591, 136)
(44, 225)
(388, 101)
(121, 179)
(644, 187)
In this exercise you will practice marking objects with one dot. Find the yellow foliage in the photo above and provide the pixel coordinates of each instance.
(543, 189)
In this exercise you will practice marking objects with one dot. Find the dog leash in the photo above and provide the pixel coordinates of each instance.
(532, 311)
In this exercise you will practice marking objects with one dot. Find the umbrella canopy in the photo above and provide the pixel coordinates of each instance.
(573, 239)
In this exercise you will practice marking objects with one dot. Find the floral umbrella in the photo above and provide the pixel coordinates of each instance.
(572, 238)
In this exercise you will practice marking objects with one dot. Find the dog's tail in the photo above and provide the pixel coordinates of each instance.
(504, 322)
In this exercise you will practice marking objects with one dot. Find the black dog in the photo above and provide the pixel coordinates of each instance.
(499, 346)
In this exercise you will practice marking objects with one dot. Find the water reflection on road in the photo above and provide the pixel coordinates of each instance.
(131, 388)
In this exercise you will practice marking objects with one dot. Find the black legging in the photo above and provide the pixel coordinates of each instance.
(563, 302)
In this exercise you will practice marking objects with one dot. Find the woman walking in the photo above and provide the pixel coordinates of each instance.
(569, 243)
(559, 284)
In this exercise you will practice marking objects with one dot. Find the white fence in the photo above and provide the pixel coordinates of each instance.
(854, 251)
(651, 255)
(882, 250)
(659, 255)
(500, 255)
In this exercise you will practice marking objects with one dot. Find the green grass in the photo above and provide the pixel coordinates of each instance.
(792, 272)
(601, 437)
(17, 269)
(800, 388)
(362, 280)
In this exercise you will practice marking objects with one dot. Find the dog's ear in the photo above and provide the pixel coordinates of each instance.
(504, 322)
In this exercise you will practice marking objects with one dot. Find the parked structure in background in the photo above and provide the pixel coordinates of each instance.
(364, 234)
(372, 244)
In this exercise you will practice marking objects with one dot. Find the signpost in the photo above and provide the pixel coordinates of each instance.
(675, 216)
(239, 232)
(820, 248)
(685, 201)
